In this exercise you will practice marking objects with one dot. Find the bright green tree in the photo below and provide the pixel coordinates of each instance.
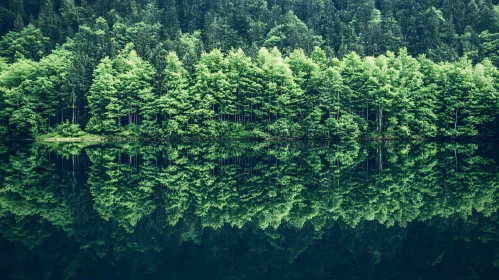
(174, 103)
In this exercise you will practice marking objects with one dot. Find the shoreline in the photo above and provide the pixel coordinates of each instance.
(101, 139)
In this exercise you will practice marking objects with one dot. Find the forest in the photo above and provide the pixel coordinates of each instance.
(315, 69)
(350, 209)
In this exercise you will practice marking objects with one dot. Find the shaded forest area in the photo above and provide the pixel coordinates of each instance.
(249, 68)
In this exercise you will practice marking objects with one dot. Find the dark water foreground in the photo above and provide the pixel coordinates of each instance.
(249, 210)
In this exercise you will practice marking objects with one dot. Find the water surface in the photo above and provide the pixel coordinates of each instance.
(249, 210)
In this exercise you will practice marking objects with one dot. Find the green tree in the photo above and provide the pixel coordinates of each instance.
(35, 93)
(212, 96)
(459, 101)
(134, 87)
(281, 95)
(103, 101)
(292, 34)
(174, 102)
(245, 87)
(28, 43)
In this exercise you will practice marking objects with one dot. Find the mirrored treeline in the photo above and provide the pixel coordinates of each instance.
(240, 210)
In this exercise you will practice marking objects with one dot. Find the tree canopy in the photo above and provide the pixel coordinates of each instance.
(250, 69)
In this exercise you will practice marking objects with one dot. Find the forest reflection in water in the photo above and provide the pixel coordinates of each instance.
(246, 210)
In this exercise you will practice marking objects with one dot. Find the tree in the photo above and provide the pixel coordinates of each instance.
(189, 48)
(28, 43)
(303, 68)
(243, 78)
(489, 44)
(91, 45)
(104, 104)
(35, 93)
(356, 79)
(220, 35)
(330, 90)
(292, 34)
(50, 22)
(279, 109)
(121, 94)
(277, 68)
(212, 96)
(57, 103)
(174, 102)
(459, 101)
(134, 87)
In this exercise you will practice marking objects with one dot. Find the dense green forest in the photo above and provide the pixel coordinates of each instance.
(350, 209)
(249, 69)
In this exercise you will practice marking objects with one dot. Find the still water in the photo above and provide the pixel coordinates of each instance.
(249, 210)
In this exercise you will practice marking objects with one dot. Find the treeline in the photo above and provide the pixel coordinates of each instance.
(234, 96)
(249, 69)
(443, 29)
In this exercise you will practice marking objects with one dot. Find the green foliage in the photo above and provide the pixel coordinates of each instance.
(122, 94)
(280, 69)
(439, 29)
(282, 202)
(28, 43)
(247, 183)
(67, 129)
(292, 34)
(35, 95)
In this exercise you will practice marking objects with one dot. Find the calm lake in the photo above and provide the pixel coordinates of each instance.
(249, 210)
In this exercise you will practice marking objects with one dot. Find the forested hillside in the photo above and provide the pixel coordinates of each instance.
(249, 68)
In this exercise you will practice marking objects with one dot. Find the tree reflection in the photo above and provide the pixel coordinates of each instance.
(349, 208)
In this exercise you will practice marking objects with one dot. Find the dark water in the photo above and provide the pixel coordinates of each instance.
(249, 210)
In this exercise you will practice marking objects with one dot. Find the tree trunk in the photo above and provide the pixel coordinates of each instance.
(380, 120)
(74, 111)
